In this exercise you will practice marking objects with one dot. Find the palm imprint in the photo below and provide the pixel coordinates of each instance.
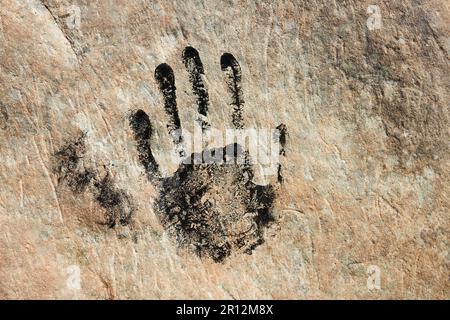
(211, 208)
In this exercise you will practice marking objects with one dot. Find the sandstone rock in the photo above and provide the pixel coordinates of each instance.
(362, 88)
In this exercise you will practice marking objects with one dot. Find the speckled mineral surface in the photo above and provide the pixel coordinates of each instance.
(95, 204)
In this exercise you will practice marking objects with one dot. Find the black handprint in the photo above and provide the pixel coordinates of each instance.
(211, 208)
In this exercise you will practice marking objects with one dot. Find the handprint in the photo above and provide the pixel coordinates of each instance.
(213, 209)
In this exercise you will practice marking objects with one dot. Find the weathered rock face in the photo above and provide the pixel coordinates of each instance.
(362, 88)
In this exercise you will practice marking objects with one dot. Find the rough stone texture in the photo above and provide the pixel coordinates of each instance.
(367, 159)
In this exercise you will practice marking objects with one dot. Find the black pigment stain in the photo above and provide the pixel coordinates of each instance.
(212, 208)
(3, 116)
(115, 201)
(233, 77)
(193, 64)
(71, 172)
(281, 137)
(215, 209)
(166, 81)
(142, 129)
(69, 167)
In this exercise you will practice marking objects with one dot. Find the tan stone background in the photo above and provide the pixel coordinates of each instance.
(367, 165)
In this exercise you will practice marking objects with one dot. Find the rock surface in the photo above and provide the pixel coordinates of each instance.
(362, 87)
